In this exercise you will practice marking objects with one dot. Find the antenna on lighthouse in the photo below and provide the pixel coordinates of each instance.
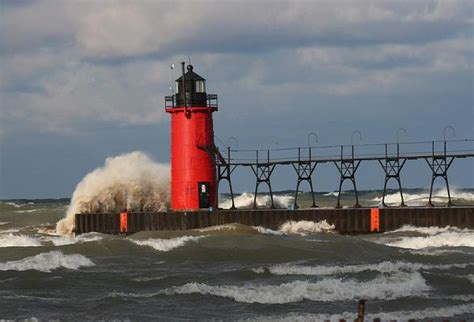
(184, 84)
(172, 78)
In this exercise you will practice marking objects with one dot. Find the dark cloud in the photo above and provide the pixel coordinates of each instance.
(281, 69)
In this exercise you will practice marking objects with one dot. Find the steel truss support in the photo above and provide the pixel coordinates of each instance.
(347, 169)
(439, 165)
(224, 170)
(304, 170)
(263, 173)
(392, 167)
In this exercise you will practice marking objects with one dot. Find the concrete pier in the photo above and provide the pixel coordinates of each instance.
(346, 220)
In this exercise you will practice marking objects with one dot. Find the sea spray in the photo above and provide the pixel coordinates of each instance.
(246, 199)
(131, 181)
(421, 198)
(304, 227)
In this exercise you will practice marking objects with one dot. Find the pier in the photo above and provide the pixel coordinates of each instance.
(345, 220)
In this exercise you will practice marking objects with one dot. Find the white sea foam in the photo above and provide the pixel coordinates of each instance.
(245, 200)
(46, 262)
(3, 223)
(11, 203)
(218, 228)
(11, 230)
(133, 295)
(148, 279)
(26, 211)
(11, 240)
(165, 245)
(437, 252)
(419, 199)
(326, 290)
(304, 227)
(383, 267)
(131, 181)
(70, 240)
(459, 297)
(332, 194)
(433, 230)
(435, 237)
(45, 229)
(266, 231)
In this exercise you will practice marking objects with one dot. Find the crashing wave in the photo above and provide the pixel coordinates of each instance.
(131, 181)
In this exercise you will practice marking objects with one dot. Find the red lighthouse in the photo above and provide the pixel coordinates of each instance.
(193, 169)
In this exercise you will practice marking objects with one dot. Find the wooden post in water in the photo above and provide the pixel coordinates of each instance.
(361, 311)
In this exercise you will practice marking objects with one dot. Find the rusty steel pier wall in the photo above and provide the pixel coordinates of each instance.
(346, 220)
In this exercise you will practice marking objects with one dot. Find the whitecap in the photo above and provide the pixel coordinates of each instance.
(148, 279)
(70, 240)
(326, 290)
(445, 239)
(470, 277)
(46, 262)
(437, 252)
(383, 267)
(267, 231)
(432, 230)
(165, 245)
(11, 240)
(420, 199)
(26, 211)
(13, 204)
(433, 237)
(11, 230)
(304, 227)
(246, 200)
(218, 228)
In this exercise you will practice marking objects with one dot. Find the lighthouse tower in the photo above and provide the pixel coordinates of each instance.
(193, 169)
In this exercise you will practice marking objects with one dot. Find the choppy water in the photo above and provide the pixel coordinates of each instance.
(232, 272)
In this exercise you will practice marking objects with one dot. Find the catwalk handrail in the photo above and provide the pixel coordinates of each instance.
(350, 145)
(309, 154)
(347, 159)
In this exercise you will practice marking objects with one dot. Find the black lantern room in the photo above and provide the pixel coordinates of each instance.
(194, 87)
(191, 92)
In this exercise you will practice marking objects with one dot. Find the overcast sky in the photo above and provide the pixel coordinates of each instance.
(83, 80)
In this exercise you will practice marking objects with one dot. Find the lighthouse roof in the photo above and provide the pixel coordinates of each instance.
(190, 75)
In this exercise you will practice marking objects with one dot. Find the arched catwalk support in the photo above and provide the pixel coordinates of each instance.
(392, 167)
(347, 169)
(439, 165)
(263, 173)
(304, 170)
(224, 170)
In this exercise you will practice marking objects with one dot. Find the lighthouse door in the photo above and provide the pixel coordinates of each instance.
(203, 190)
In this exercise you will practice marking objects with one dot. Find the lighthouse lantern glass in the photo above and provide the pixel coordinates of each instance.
(200, 86)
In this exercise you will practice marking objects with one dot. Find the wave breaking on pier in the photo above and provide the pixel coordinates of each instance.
(131, 181)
